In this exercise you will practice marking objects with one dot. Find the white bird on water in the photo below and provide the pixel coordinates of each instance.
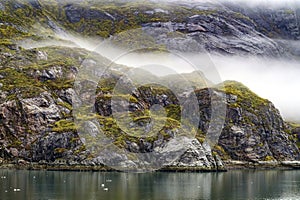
(102, 185)
(105, 189)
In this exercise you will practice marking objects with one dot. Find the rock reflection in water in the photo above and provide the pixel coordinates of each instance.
(272, 184)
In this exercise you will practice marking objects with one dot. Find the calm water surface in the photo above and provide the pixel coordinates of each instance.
(42, 185)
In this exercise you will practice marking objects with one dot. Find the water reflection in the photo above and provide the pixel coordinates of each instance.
(273, 184)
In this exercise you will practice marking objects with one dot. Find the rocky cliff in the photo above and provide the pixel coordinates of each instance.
(37, 127)
(221, 28)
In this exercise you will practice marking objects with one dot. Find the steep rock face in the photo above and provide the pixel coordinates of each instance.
(275, 22)
(220, 28)
(196, 156)
(254, 129)
(24, 121)
(35, 95)
(75, 14)
(218, 33)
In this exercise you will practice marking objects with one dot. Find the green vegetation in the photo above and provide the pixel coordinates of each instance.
(269, 158)
(118, 128)
(134, 134)
(241, 16)
(18, 84)
(219, 150)
(174, 111)
(66, 105)
(298, 144)
(247, 99)
(294, 124)
(64, 126)
(59, 84)
(22, 77)
(289, 12)
(80, 149)
(18, 22)
(107, 85)
(293, 131)
(60, 150)
(15, 144)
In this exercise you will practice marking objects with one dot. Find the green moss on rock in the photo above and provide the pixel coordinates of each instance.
(245, 97)
(64, 125)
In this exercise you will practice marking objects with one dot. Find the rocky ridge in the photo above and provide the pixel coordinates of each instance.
(37, 126)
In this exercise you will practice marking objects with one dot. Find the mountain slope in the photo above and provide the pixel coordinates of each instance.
(41, 90)
(221, 28)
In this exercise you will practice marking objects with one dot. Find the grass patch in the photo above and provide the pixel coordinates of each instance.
(64, 125)
(18, 83)
(246, 98)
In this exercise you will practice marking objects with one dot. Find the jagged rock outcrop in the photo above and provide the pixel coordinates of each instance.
(198, 158)
(254, 129)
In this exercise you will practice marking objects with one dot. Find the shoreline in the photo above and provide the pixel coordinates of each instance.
(228, 166)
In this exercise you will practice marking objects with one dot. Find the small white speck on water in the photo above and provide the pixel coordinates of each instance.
(17, 190)
(102, 185)
(5, 191)
(105, 189)
(108, 180)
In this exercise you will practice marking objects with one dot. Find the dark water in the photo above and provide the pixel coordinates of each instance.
(273, 184)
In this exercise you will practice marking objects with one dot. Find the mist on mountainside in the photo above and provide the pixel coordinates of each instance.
(271, 78)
